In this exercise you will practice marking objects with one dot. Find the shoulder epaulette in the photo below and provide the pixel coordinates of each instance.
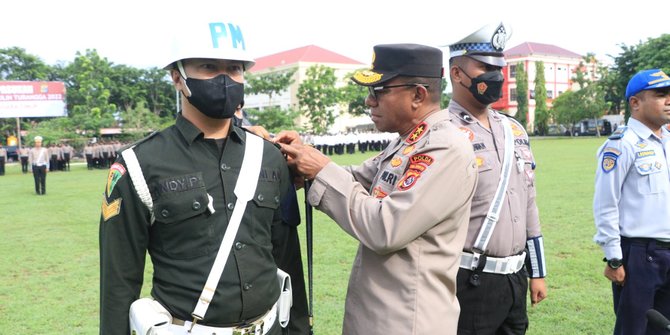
(618, 133)
(137, 142)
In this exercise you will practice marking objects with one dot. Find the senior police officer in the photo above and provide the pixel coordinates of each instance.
(504, 223)
(410, 233)
(630, 205)
(177, 193)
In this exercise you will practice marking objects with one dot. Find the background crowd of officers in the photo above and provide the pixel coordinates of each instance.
(98, 155)
(338, 144)
(101, 154)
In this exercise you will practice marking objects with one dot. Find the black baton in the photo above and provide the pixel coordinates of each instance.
(308, 233)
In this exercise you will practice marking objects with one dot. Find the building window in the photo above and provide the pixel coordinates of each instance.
(512, 71)
(532, 94)
(512, 94)
(550, 94)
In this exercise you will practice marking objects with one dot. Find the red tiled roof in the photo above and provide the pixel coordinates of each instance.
(310, 53)
(530, 48)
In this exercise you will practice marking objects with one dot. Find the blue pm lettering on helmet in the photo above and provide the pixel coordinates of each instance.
(219, 31)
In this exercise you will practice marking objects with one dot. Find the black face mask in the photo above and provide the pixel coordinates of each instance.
(487, 87)
(218, 97)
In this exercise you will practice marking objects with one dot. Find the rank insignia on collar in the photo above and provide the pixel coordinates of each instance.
(416, 134)
(609, 161)
(407, 150)
(115, 173)
(110, 210)
(641, 144)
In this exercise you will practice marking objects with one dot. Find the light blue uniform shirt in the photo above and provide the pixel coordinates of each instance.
(632, 188)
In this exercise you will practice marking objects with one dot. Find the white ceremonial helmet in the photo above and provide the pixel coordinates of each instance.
(215, 38)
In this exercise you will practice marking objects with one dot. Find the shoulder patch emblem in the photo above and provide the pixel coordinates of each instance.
(422, 158)
(115, 173)
(516, 131)
(110, 210)
(468, 133)
(378, 193)
(641, 144)
(609, 161)
(417, 133)
(408, 180)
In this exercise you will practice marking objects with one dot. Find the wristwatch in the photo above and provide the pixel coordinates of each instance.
(613, 263)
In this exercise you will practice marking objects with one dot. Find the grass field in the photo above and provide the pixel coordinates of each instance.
(50, 271)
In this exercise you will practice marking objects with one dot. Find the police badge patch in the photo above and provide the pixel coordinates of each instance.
(609, 161)
(115, 173)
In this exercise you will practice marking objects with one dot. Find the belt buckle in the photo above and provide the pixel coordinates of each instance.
(251, 329)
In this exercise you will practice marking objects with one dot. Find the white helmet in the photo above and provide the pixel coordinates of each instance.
(214, 39)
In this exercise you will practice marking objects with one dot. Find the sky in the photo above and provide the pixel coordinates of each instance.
(133, 32)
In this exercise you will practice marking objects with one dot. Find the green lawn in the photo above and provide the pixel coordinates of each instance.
(49, 248)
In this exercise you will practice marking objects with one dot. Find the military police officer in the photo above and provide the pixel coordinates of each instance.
(630, 205)
(176, 193)
(504, 223)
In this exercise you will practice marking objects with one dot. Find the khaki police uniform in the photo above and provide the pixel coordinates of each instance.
(519, 216)
(518, 224)
(411, 232)
(184, 239)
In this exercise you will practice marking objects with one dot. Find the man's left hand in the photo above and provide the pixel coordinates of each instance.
(538, 290)
(305, 160)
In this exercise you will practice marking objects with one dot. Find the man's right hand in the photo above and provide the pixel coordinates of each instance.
(287, 137)
(617, 276)
(304, 160)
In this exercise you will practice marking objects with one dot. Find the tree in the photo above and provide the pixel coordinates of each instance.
(590, 96)
(270, 83)
(318, 97)
(16, 64)
(274, 118)
(139, 121)
(88, 95)
(566, 109)
(445, 98)
(521, 94)
(654, 53)
(542, 115)
(353, 96)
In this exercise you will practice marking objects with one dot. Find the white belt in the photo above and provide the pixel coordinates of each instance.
(497, 265)
(260, 327)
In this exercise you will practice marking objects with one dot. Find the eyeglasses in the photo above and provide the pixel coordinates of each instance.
(374, 90)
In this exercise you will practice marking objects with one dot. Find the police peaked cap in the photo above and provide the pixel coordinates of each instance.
(393, 60)
(485, 45)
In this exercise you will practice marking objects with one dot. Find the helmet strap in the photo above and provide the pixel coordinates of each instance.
(182, 73)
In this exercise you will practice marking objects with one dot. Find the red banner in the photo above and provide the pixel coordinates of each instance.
(32, 99)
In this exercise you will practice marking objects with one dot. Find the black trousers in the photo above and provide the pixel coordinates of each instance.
(2, 166)
(40, 175)
(497, 306)
(24, 164)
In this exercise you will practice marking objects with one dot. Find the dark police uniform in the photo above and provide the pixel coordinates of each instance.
(183, 170)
